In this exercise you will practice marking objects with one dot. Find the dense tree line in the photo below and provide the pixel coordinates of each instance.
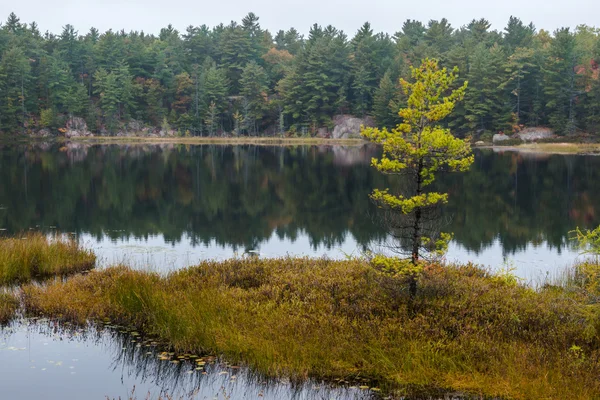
(242, 79)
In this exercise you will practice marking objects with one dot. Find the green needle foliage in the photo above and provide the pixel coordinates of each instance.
(420, 148)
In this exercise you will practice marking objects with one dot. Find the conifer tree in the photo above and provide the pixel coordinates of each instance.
(420, 149)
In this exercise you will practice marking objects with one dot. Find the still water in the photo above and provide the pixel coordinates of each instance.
(43, 360)
(164, 207)
(168, 206)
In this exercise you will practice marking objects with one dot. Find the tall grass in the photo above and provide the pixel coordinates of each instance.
(8, 306)
(467, 330)
(35, 256)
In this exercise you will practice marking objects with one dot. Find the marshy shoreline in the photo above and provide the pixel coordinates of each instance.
(468, 330)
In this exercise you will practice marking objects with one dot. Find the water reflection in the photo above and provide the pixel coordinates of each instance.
(67, 362)
(175, 204)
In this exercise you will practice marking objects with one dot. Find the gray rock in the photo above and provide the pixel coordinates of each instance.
(480, 143)
(76, 127)
(323, 133)
(533, 134)
(348, 126)
(500, 137)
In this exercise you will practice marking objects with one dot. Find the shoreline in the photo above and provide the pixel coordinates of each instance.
(264, 141)
(559, 148)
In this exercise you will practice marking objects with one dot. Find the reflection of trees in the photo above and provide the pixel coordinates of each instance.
(242, 195)
(523, 199)
(136, 360)
(235, 195)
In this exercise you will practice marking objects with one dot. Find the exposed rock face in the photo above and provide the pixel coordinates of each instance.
(44, 133)
(500, 137)
(533, 134)
(77, 127)
(323, 133)
(170, 132)
(348, 126)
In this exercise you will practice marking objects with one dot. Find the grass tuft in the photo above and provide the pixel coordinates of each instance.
(468, 330)
(8, 306)
(35, 256)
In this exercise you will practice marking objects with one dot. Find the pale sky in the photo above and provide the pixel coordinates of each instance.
(348, 15)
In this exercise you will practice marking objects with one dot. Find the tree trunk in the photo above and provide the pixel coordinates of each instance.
(416, 239)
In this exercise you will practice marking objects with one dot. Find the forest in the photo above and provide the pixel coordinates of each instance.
(240, 79)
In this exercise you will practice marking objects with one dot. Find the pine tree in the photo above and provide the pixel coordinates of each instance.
(14, 74)
(485, 106)
(254, 89)
(364, 69)
(420, 149)
(560, 82)
(385, 107)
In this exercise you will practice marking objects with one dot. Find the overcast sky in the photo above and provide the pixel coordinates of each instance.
(348, 15)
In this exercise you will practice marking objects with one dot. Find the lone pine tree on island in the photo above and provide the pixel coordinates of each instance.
(420, 149)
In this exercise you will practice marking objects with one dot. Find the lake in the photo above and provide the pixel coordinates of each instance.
(167, 206)
(164, 207)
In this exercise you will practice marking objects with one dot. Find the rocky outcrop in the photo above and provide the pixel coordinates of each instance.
(500, 137)
(43, 133)
(533, 134)
(76, 127)
(348, 126)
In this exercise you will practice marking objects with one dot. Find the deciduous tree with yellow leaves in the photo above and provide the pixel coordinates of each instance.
(420, 148)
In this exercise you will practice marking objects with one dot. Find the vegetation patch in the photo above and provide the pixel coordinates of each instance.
(35, 256)
(465, 330)
(8, 306)
(556, 148)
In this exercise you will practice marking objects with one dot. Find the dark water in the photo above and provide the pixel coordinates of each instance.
(164, 207)
(171, 205)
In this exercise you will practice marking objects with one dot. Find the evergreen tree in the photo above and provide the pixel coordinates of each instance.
(254, 89)
(385, 107)
(560, 82)
(485, 105)
(14, 74)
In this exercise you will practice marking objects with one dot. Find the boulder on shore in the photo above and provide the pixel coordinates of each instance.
(75, 127)
(500, 137)
(536, 133)
(348, 126)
